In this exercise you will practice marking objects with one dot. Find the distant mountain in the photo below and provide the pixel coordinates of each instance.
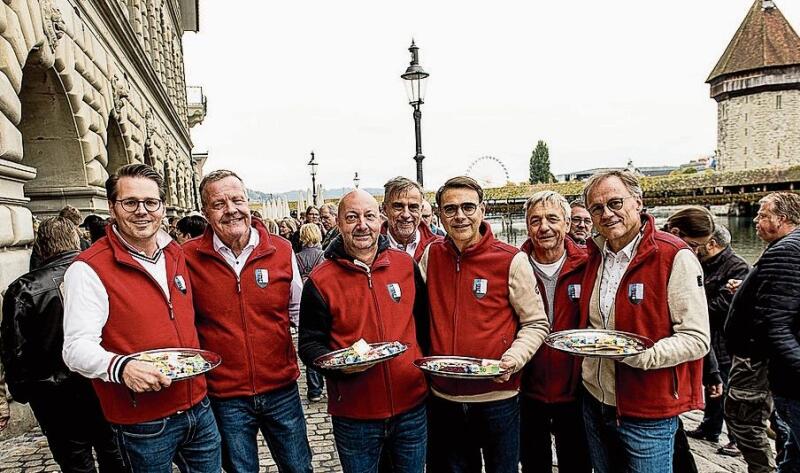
(259, 196)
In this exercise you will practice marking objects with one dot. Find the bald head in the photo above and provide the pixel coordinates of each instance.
(360, 224)
(356, 197)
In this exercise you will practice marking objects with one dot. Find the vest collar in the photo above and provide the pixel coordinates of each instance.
(486, 241)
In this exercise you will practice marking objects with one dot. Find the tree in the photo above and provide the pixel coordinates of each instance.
(540, 164)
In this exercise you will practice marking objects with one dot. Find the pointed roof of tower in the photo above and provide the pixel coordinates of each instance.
(764, 39)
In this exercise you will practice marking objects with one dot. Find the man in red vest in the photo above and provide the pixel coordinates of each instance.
(484, 303)
(131, 292)
(366, 290)
(639, 279)
(550, 381)
(402, 205)
(248, 290)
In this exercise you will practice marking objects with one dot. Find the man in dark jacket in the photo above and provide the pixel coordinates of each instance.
(756, 305)
(63, 402)
(720, 264)
(776, 311)
(366, 291)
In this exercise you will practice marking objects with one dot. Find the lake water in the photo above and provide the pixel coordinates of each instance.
(743, 234)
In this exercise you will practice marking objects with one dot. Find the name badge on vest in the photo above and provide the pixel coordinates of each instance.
(636, 292)
(574, 292)
(180, 283)
(479, 287)
(394, 291)
(262, 277)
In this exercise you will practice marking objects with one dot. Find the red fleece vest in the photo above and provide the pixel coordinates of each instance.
(470, 311)
(553, 376)
(140, 318)
(659, 393)
(363, 306)
(245, 320)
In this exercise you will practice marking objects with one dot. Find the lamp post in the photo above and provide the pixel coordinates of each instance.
(313, 165)
(356, 180)
(415, 88)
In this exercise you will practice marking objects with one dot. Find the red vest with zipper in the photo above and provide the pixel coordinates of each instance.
(361, 306)
(247, 323)
(426, 237)
(464, 322)
(141, 318)
(658, 393)
(553, 376)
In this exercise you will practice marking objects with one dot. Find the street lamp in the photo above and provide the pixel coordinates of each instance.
(356, 180)
(313, 165)
(415, 88)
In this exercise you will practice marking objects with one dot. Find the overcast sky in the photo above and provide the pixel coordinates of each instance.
(601, 82)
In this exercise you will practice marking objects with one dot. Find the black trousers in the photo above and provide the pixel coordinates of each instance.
(565, 422)
(70, 417)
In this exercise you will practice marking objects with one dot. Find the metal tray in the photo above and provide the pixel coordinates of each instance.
(329, 360)
(596, 343)
(212, 360)
(456, 366)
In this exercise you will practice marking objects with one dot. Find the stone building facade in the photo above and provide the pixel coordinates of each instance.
(756, 84)
(87, 86)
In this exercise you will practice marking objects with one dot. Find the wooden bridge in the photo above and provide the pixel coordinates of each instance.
(741, 189)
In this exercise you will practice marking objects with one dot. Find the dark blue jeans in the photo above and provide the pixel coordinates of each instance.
(402, 440)
(189, 439)
(314, 382)
(627, 444)
(279, 416)
(460, 431)
(789, 412)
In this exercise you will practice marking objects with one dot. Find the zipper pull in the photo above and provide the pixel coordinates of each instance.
(369, 279)
(238, 286)
(171, 311)
(458, 263)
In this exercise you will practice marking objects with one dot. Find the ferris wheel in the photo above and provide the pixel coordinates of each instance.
(488, 171)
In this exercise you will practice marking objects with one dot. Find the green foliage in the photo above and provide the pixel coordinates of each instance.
(678, 184)
(540, 164)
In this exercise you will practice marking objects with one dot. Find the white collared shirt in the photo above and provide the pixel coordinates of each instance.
(86, 309)
(411, 248)
(237, 263)
(614, 267)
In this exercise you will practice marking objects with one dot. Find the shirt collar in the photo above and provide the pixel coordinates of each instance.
(627, 251)
(162, 240)
(396, 244)
(219, 246)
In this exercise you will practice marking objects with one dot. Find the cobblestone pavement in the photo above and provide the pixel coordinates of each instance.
(29, 452)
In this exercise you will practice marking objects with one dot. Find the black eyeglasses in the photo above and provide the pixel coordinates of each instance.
(578, 221)
(614, 204)
(132, 205)
(468, 208)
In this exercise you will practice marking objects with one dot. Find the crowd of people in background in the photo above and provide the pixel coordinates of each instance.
(263, 293)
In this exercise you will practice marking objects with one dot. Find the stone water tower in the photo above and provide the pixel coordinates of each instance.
(756, 84)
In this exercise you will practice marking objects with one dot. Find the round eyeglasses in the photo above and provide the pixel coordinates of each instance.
(132, 205)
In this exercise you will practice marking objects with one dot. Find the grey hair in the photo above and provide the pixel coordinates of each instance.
(333, 209)
(400, 184)
(215, 176)
(721, 235)
(57, 235)
(628, 178)
(550, 197)
(785, 204)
